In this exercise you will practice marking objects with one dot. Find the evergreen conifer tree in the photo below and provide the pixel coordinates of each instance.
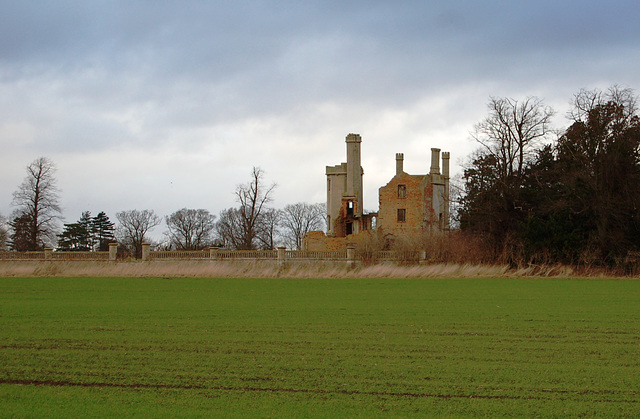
(21, 239)
(103, 231)
(77, 236)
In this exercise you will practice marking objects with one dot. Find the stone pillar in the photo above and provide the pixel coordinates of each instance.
(445, 164)
(353, 163)
(399, 163)
(445, 175)
(113, 251)
(435, 161)
(282, 254)
(48, 253)
(354, 171)
(351, 255)
(146, 251)
(213, 253)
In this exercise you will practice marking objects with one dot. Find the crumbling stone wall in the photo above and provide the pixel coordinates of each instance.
(411, 194)
(317, 241)
(409, 204)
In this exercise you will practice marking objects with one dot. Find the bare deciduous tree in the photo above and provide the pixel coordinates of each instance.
(134, 225)
(511, 131)
(190, 229)
(241, 227)
(3, 233)
(269, 229)
(37, 198)
(299, 219)
(229, 228)
(586, 101)
(252, 197)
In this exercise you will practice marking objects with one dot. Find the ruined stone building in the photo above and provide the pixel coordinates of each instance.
(409, 204)
(344, 194)
(416, 203)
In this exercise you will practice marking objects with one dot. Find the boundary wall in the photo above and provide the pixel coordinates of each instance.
(281, 255)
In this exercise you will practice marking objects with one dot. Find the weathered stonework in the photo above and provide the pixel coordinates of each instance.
(409, 204)
(344, 194)
(412, 204)
(318, 241)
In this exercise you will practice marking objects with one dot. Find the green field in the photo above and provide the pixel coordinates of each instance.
(328, 348)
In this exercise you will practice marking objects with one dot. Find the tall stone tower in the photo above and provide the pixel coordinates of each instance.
(344, 191)
(354, 173)
(447, 203)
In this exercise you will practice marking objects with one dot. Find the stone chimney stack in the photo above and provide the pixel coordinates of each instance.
(445, 175)
(435, 161)
(445, 164)
(399, 163)
(354, 171)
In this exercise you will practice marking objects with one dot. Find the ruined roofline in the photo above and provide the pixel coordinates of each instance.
(338, 169)
(436, 158)
(422, 178)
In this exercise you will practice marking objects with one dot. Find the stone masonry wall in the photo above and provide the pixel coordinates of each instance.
(417, 200)
(317, 241)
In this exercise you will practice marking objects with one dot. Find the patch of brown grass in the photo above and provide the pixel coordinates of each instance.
(272, 269)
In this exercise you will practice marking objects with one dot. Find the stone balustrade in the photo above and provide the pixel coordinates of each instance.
(352, 256)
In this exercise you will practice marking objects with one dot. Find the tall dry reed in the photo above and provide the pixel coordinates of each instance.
(271, 269)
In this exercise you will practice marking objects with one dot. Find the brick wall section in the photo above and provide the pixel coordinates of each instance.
(317, 241)
(417, 203)
(429, 214)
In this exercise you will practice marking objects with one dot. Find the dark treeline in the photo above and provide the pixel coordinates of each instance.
(574, 199)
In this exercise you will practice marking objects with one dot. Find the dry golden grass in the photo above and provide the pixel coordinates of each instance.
(271, 269)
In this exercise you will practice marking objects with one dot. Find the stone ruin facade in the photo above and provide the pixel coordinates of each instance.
(408, 204)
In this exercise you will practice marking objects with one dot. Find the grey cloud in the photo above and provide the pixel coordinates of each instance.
(178, 66)
(363, 45)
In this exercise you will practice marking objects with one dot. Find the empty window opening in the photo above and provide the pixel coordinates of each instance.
(349, 228)
(402, 215)
(402, 191)
(350, 208)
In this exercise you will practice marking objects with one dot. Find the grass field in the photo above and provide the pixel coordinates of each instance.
(74, 347)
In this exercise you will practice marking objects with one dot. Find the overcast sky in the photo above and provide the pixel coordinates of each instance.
(169, 104)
